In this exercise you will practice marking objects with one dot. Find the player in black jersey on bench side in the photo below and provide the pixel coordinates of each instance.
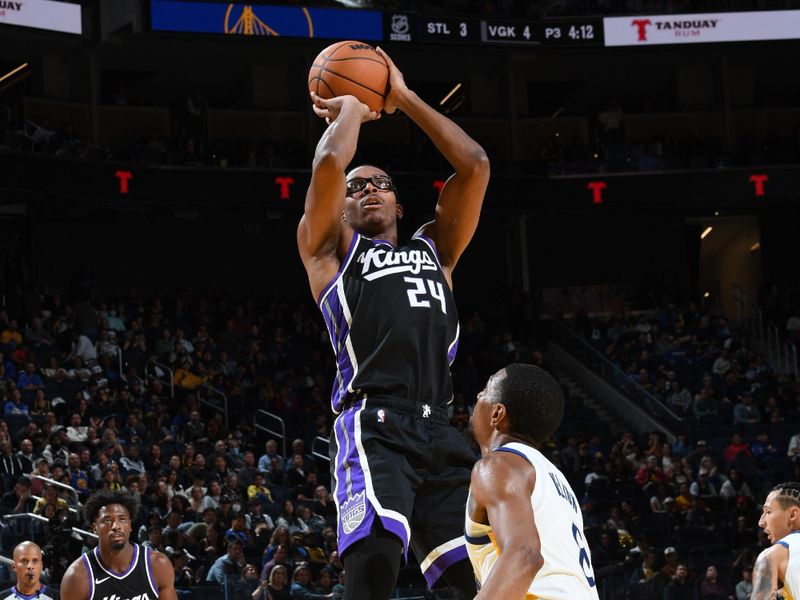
(117, 569)
(400, 472)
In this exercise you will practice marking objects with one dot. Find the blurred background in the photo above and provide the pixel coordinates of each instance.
(638, 239)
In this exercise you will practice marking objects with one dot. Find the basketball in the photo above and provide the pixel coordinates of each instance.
(353, 68)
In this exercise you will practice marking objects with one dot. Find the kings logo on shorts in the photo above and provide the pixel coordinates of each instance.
(352, 512)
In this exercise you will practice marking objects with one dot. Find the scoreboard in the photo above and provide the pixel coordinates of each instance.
(409, 27)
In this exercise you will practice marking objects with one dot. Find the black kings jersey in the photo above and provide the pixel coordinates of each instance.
(392, 322)
(45, 593)
(137, 582)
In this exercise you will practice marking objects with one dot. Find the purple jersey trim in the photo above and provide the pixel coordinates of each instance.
(125, 573)
(150, 579)
(431, 244)
(441, 564)
(342, 267)
(91, 575)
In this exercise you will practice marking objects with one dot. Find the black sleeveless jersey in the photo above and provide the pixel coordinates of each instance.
(136, 583)
(392, 322)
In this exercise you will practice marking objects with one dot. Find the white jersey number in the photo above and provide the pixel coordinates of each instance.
(417, 295)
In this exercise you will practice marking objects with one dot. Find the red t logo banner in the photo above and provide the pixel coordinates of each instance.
(285, 183)
(124, 177)
(597, 188)
(438, 184)
(758, 182)
(642, 28)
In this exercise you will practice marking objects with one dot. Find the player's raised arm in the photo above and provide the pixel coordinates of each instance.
(318, 232)
(459, 205)
(75, 584)
(164, 576)
(502, 483)
(765, 573)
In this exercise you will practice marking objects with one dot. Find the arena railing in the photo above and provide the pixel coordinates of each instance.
(274, 419)
(169, 381)
(590, 357)
(321, 442)
(208, 400)
(71, 509)
(63, 486)
(780, 352)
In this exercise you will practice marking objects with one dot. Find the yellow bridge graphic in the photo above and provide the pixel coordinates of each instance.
(249, 24)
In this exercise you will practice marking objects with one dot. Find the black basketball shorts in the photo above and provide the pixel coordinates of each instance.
(405, 464)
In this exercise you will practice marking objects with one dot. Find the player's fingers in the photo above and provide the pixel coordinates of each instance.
(385, 56)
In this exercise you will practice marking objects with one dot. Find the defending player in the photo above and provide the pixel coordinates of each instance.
(27, 566)
(117, 568)
(392, 320)
(524, 526)
(780, 563)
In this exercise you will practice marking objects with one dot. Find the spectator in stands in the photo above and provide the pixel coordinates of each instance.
(19, 499)
(289, 519)
(650, 475)
(745, 412)
(228, 564)
(735, 486)
(11, 465)
(278, 583)
(679, 399)
(680, 588)
(301, 586)
(15, 410)
(737, 448)
(280, 557)
(248, 584)
(745, 587)
(711, 588)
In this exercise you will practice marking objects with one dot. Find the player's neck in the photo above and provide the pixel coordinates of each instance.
(501, 439)
(389, 236)
(117, 561)
(31, 590)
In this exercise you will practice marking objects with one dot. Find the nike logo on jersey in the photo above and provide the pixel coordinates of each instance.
(99, 581)
(378, 262)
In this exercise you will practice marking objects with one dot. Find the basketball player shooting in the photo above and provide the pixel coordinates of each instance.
(400, 472)
(117, 569)
(524, 527)
(777, 569)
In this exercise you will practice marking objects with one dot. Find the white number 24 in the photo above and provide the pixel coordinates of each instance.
(418, 294)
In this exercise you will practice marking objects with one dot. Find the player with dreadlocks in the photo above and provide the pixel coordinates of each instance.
(780, 563)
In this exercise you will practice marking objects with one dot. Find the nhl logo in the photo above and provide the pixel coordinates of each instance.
(400, 28)
(352, 512)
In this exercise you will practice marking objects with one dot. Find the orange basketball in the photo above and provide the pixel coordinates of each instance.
(350, 68)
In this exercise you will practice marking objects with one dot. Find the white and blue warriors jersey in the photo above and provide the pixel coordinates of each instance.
(791, 580)
(567, 570)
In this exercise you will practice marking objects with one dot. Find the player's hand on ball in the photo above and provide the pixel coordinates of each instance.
(329, 109)
(397, 85)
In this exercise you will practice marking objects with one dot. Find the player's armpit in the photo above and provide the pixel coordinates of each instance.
(765, 575)
(502, 485)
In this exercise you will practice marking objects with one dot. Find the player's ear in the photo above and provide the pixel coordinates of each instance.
(399, 209)
(498, 414)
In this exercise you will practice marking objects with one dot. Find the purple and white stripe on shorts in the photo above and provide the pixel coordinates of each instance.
(356, 502)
